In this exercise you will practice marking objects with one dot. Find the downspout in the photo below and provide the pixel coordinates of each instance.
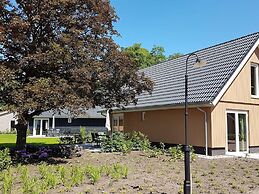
(206, 130)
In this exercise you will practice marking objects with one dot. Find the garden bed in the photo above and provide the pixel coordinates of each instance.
(150, 175)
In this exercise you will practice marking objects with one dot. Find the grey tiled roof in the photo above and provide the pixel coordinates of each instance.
(90, 113)
(204, 83)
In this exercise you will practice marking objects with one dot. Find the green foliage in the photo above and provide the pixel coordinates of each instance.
(192, 152)
(143, 58)
(176, 153)
(119, 171)
(118, 142)
(125, 142)
(7, 182)
(175, 55)
(154, 152)
(157, 54)
(69, 140)
(44, 67)
(94, 173)
(139, 141)
(5, 159)
(139, 55)
(77, 175)
(89, 138)
(83, 134)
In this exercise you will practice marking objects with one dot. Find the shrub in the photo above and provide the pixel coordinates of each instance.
(89, 138)
(118, 142)
(125, 142)
(176, 152)
(153, 152)
(69, 140)
(83, 134)
(139, 141)
(5, 159)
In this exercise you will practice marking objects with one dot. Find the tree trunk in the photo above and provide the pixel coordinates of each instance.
(21, 129)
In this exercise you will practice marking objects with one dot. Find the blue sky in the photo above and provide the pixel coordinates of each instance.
(184, 25)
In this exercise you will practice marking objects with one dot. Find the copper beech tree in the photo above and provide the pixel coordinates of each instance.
(57, 54)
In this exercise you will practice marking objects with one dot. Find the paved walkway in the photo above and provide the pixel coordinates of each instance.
(91, 147)
(250, 155)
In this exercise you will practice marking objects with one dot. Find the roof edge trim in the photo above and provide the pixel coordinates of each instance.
(161, 107)
(235, 74)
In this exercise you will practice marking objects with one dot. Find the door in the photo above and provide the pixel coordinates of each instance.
(237, 132)
(41, 126)
(37, 127)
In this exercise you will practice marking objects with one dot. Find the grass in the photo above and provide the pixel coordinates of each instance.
(8, 140)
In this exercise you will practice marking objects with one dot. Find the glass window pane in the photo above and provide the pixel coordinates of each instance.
(242, 132)
(231, 132)
(253, 80)
(37, 127)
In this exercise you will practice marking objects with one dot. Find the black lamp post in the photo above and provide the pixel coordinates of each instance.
(187, 180)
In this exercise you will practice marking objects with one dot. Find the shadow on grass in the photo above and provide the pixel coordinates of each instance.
(53, 160)
(12, 145)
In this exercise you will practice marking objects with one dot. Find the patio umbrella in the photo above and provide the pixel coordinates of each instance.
(107, 122)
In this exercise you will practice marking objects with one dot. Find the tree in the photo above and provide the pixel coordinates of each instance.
(157, 54)
(60, 54)
(139, 55)
(143, 58)
(175, 56)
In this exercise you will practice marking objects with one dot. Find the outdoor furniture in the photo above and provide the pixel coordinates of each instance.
(98, 137)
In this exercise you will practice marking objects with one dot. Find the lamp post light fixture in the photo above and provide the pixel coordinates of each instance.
(187, 180)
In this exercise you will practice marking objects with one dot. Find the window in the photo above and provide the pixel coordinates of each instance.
(143, 116)
(12, 125)
(118, 122)
(254, 80)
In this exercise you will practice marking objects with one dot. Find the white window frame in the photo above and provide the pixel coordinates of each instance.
(41, 125)
(256, 81)
(237, 152)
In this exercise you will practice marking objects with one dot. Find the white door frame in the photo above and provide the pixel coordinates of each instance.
(41, 125)
(237, 152)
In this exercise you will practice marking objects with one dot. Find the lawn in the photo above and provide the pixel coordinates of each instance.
(135, 173)
(8, 140)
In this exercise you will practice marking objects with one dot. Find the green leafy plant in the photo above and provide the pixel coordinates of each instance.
(176, 153)
(83, 134)
(94, 173)
(139, 141)
(124, 142)
(192, 153)
(51, 180)
(153, 152)
(118, 142)
(119, 171)
(5, 159)
(7, 182)
(77, 175)
(62, 174)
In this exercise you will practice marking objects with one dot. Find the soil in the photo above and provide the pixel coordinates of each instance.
(162, 175)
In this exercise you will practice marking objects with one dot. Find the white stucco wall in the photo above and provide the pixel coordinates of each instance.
(5, 121)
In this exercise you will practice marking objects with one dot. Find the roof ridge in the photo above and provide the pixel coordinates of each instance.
(202, 49)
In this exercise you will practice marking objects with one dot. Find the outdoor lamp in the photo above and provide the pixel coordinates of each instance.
(187, 180)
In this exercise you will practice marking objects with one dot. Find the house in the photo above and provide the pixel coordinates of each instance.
(223, 100)
(7, 121)
(51, 123)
